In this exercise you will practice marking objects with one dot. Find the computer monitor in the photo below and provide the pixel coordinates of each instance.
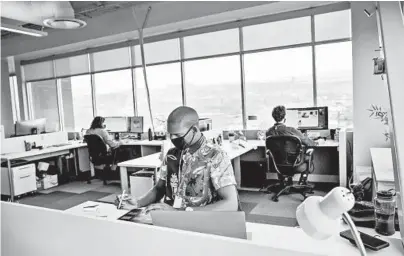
(29, 127)
(205, 124)
(312, 118)
(136, 124)
(117, 123)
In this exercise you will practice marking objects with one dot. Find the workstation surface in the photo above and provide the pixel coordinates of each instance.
(271, 235)
(233, 149)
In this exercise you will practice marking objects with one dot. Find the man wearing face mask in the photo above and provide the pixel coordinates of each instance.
(196, 175)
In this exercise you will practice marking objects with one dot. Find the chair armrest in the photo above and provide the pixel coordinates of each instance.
(309, 151)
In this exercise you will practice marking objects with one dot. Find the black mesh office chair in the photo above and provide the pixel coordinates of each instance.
(288, 156)
(99, 155)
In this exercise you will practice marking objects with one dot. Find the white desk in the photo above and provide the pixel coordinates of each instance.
(37, 154)
(291, 238)
(153, 162)
(146, 147)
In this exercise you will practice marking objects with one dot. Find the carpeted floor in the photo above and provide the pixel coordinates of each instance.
(258, 206)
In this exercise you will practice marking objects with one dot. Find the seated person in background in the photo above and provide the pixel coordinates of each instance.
(279, 128)
(98, 127)
(195, 175)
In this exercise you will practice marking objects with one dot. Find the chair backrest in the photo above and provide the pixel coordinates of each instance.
(284, 153)
(96, 147)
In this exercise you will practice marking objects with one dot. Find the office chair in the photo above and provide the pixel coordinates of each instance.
(99, 155)
(288, 156)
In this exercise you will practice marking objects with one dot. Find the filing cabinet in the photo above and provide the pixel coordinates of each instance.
(24, 179)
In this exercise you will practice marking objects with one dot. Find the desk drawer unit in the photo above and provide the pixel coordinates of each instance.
(24, 180)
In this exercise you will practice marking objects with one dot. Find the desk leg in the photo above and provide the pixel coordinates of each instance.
(11, 180)
(75, 154)
(155, 176)
(124, 179)
(60, 165)
(237, 171)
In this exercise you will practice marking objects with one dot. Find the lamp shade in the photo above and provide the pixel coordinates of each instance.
(319, 217)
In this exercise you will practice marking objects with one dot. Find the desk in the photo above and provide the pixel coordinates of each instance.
(37, 154)
(274, 236)
(151, 161)
(146, 147)
(327, 145)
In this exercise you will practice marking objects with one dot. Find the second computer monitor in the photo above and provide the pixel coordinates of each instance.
(312, 118)
(136, 124)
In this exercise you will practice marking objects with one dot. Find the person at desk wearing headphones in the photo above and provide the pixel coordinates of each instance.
(195, 176)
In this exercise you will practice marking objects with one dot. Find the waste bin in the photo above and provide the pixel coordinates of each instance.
(141, 182)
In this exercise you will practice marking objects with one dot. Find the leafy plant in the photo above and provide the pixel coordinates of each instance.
(377, 112)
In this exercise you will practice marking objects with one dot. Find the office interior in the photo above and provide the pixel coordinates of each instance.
(233, 62)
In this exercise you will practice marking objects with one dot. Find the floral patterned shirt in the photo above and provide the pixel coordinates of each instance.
(196, 177)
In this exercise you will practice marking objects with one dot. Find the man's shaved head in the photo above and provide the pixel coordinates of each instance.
(181, 120)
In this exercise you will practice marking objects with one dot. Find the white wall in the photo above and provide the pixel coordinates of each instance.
(6, 107)
(367, 88)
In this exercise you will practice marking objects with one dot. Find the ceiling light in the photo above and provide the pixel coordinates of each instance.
(22, 30)
(64, 23)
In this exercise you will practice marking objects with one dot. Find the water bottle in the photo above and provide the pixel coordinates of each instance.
(385, 209)
(150, 135)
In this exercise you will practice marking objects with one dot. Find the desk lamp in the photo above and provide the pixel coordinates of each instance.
(319, 217)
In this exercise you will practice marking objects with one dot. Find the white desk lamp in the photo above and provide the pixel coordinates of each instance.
(319, 217)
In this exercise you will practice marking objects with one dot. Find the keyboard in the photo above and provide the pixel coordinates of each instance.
(61, 145)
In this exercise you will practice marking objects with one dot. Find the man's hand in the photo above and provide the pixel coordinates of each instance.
(158, 207)
(128, 202)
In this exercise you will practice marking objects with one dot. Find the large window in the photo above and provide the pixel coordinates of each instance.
(113, 92)
(274, 78)
(15, 100)
(213, 88)
(280, 33)
(334, 82)
(279, 57)
(77, 102)
(221, 42)
(333, 25)
(165, 93)
(45, 103)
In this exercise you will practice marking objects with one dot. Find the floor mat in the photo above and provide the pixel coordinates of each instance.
(77, 187)
(111, 188)
(247, 206)
(43, 199)
(74, 200)
(110, 199)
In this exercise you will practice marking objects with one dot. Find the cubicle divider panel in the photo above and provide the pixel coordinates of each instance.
(16, 144)
(24, 229)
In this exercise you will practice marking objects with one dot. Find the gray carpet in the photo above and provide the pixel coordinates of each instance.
(258, 206)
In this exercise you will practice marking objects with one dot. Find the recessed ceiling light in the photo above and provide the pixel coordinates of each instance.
(64, 23)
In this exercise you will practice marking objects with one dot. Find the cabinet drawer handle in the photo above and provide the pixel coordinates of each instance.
(26, 176)
(25, 167)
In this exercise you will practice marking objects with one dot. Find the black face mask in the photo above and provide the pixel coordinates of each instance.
(180, 141)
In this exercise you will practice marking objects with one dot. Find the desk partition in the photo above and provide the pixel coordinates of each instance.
(30, 230)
